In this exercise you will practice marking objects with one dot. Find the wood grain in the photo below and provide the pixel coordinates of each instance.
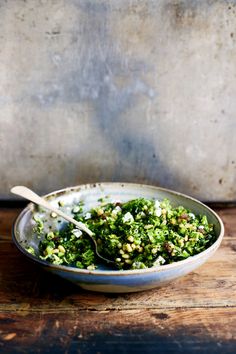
(197, 313)
(136, 331)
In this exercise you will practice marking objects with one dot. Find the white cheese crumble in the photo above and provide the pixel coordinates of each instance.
(157, 211)
(76, 209)
(159, 261)
(201, 227)
(87, 216)
(116, 210)
(77, 232)
(128, 217)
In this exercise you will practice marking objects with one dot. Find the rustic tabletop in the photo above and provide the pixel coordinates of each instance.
(40, 313)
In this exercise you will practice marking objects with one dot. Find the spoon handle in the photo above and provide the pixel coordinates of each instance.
(35, 198)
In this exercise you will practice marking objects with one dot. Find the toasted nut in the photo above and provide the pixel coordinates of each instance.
(128, 261)
(130, 239)
(126, 256)
(61, 249)
(100, 212)
(91, 267)
(128, 247)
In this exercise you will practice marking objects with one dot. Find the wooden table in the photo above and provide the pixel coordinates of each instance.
(39, 313)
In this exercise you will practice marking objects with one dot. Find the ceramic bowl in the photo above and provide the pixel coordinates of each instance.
(104, 279)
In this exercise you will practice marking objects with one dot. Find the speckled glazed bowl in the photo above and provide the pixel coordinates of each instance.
(104, 279)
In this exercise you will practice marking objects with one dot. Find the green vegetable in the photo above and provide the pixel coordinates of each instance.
(138, 234)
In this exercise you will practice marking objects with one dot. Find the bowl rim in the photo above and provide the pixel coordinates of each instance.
(114, 272)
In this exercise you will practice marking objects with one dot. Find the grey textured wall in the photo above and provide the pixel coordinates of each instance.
(119, 90)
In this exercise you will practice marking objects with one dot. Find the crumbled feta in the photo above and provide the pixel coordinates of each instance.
(76, 209)
(159, 261)
(128, 217)
(158, 212)
(201, 227)
(87, 216)
(116, 210)
(157, 208)
(77, 232)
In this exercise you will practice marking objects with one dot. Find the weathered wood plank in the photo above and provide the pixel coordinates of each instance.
(228, 216)
(133, 331)
(7, 217)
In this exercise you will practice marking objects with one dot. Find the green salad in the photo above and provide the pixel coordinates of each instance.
(137, 234)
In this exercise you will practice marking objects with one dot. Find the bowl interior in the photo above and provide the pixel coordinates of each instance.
(24, 234)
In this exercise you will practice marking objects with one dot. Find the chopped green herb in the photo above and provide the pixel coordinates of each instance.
(31, 250)
(38, 228)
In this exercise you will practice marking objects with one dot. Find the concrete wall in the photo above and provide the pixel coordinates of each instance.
(118, 90)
